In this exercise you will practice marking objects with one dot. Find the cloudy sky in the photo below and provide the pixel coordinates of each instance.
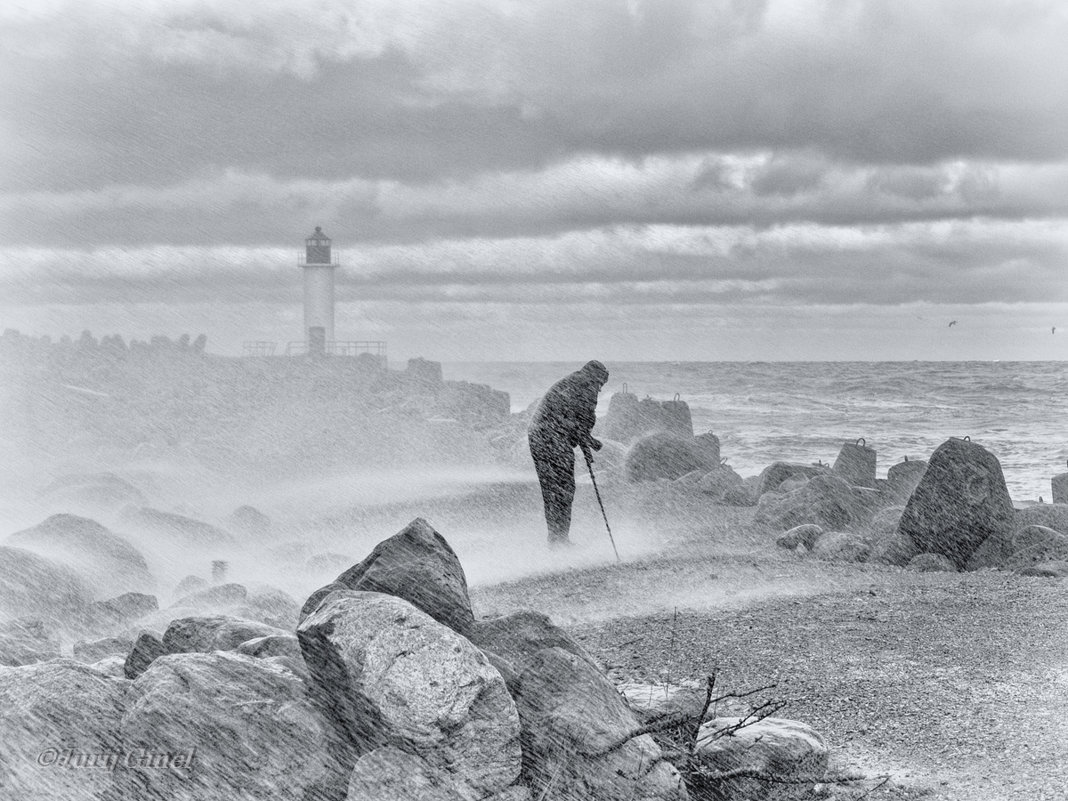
(544, 179)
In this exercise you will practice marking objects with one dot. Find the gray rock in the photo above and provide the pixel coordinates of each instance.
(718, 481)
(1036, 545)
(825, 500)
(1059, 488)
(174, 529)
(842, 546)
(214, 633)
(390, 774)
(250, 521)
(856, 464)
(903, 477)
(64, 714)
(254, 727)
(573, 718)
(664, 454)
(512, 641)
(91, 494)
(26, 641)
(1050, 515)
(146, 649)
(91, 652)
(190, 585)
(285, 645)
(31, 585)
(776, 747)
(893, 549)
(774, 474)
(118, 613)
(931, 563)
(415, 564)
(651, 702)
(804, 535)
(114, 666)
(1054, 569)
(109, 562)
(960, 501)
(396, 677)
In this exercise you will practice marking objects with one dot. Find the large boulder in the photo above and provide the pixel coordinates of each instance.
(92, 652)
(415, 564)
(59, 722)
(215, 633)
(32, 585)
(1050, 515)
(390, 774)
(119, 612)
(824, 500)
(960, 501)
(1035, 545)
(903, 478)
(720, 481)
(174, 529)
(783, 750)
(260, 602)
(513, 640)
(842, 546)
(243, 728)
(249, 521)
(146, 649)
(26, 641)
(1059, 487)
(666, 455)
(396, 677)
(91, 494)
(804, 535)
(576, 743)
(776, 473)
(856, 464)
(110, 562)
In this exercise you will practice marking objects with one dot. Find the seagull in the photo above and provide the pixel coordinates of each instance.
(952, 323)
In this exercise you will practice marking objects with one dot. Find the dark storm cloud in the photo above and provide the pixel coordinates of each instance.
(946, 262)
(106, 93)
(811, 151)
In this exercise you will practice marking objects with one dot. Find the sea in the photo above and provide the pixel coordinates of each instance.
(805, 411)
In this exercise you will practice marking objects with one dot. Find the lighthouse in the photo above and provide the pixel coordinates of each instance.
(318, 265)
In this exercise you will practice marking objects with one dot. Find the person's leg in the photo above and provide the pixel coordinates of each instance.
(556, 474)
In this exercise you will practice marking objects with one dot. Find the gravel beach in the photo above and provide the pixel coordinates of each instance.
(955, 686)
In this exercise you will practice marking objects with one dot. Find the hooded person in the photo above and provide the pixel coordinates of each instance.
(563, 421)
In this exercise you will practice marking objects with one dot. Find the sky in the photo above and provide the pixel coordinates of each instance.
(544, 179)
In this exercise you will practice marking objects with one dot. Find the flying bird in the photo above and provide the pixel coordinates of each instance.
(952, 323)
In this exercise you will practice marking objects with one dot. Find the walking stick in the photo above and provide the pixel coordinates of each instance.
(597, 492)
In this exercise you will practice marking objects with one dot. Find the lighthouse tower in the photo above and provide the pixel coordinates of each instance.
(318, 265)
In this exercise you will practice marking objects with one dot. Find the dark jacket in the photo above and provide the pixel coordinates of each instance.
(568, 412)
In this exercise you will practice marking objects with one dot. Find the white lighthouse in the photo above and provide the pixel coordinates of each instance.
(318, 265)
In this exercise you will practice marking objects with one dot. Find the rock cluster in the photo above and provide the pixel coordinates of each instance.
(388, 689)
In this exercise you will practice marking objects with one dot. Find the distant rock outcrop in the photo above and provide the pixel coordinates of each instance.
(110, 562)
(175, 529)
(31, 585)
